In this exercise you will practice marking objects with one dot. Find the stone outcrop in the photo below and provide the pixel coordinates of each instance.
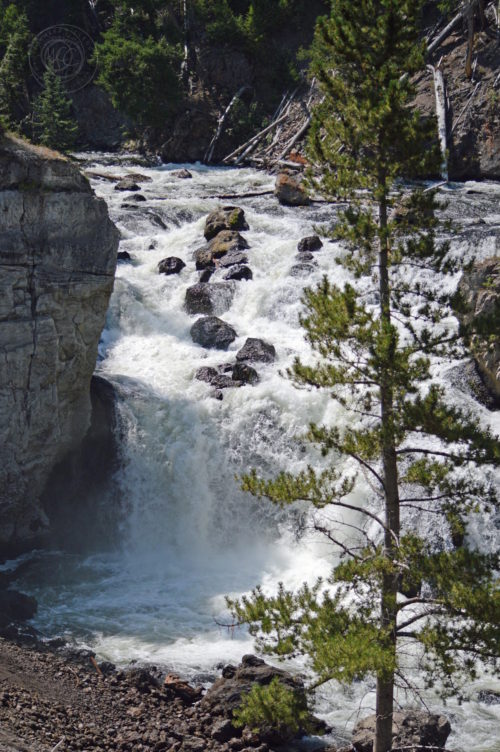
(478, 304)
(212, 332)
(57, 256)
(256, 350)
(226, 218)
(411, 730)
(290, 191)
(214, 298)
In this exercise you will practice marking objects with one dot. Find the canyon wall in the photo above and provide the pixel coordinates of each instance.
(57, 262)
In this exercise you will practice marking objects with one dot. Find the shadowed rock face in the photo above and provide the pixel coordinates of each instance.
(57, 262)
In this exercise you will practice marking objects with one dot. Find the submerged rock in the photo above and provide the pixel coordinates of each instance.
(127, 184)
(301, 270)
(171, 265)
(123, 256)
(310, 244)
(212, 332)
(182, 174)
(226, 218)
(290, 191)
(214, 298)
(239, 272)
(412, 730)
(256, 350)
(232, 259)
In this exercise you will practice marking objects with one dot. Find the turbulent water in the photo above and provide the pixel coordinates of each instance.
(188, 535)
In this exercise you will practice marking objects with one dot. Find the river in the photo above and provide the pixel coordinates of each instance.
(188, 535)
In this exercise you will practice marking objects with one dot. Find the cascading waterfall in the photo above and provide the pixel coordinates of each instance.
(189, 535)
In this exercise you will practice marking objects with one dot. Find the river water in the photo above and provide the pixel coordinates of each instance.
(188, 536)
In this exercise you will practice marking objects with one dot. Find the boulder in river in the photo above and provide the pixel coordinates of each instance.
(239, 272)
(256, 350)
(212, 332)
(136, 198)
(182, 174)
(232, 259)
(290, 191)
(123, 256)
(138, 177)
(226, 218)
(171, 265)
(15, 607)
(127, 184)
(245, 373)
(310, 244)
(301, 270)
(213, 298)
(224, 243)
(411, 730)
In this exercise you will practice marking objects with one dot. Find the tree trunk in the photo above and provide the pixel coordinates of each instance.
(470, 43)
(388, 599)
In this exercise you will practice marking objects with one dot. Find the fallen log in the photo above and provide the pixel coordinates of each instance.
(251, 194)
(257, 137)
(440, 95)
(294, 139)
(220, 127)
(447, 29)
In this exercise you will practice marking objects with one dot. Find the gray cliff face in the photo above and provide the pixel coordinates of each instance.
(57, 262)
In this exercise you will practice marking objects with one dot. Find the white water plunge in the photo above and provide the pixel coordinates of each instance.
(189, 535)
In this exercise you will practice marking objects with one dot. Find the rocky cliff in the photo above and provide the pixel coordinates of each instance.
(57, 262)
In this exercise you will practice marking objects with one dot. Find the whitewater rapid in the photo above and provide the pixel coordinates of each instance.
(188, 535)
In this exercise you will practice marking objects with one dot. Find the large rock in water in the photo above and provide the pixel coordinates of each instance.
(57, 256)
(224, 696)
(227, 218)
(478, 304)
(256, 350)
(212, 332)
(212, 298)
(290, 191)
(411, 730)
(226, 242)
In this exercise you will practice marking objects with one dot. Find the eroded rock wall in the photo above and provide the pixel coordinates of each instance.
(57, 262)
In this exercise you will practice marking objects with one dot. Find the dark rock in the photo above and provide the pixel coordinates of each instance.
(123, 256)
(305, 256)
(16, 606)
(136, 198)
(478, 308)
(206, 374)
(256, 350)
(223, 731)
(175, 687)
(206, 275)
(218, 395)
(301, 270)
(142, 679)
(245, 373)
(224, 696)
(156, 220)
(152, 245)
(226, 218)
(232, 259)
(171, 265)
(181, 174)
(489, 696)
(310, 244)
(127, 184)
(290, 191)
(224, 382)
(410, 729)
(239, 272)
(224, 243)
(212, 332)
(209, 299)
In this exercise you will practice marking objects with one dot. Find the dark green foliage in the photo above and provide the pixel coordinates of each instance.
(53, 123)
(275, 706)
(418, 454)
(141, 75)
(14, 42)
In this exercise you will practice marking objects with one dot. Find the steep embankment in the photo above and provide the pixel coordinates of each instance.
(57, 259)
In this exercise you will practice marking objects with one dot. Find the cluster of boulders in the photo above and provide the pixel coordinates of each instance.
(233, 374)
(306, 248)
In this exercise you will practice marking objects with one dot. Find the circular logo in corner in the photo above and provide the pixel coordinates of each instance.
(67, 50)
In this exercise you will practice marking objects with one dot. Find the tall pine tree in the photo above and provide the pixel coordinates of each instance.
(53, 123)
(377, 347)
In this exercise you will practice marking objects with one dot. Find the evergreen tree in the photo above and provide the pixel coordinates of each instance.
(53, 123)
(378, 345)
(14, 38)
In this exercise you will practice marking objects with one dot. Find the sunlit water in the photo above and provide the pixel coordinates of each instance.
(189, 536)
